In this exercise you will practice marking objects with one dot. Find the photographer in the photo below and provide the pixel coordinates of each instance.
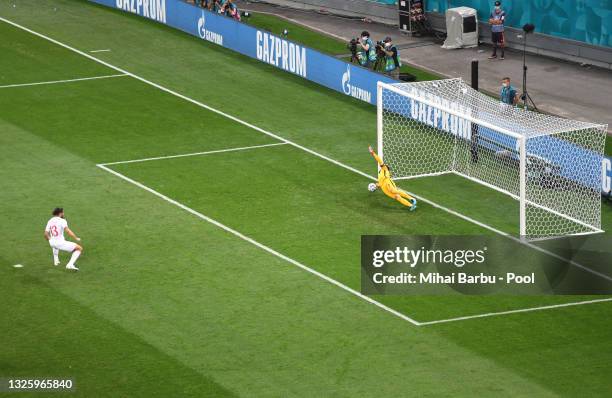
(366, 51)
(203, 3)
(229, 9)
(392, 59)
(211, 5)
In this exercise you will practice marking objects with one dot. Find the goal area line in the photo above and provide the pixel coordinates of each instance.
(308, 150)
(48, 82)
(184, 155)
(517, 311)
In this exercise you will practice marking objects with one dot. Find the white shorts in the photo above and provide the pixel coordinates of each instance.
(63, 245)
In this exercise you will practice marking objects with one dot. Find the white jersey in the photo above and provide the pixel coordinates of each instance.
(55, 227)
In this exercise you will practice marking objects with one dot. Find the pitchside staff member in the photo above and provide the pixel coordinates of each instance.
(508, 94)
(496, 20)
(392, 64)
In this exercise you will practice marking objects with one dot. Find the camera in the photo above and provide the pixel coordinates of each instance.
(352, 45)
(380, 49)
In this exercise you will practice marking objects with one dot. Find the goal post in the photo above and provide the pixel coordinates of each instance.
(522, 187)
(550, 165)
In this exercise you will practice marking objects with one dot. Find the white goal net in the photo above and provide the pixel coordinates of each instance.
(550, 165)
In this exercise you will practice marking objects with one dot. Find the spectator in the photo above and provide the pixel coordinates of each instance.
(508, 94)
(366, 51)
(392, 64)
(496, 20)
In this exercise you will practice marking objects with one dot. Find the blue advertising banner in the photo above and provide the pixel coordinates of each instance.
(284, 54)
(281, 53)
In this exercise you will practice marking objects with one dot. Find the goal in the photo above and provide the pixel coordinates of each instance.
(550, 165)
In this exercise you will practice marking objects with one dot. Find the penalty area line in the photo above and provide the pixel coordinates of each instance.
(260, 245)
(80, 79)
(243, 148)
(518, 311)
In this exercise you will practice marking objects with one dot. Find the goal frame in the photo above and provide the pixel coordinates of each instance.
(522, 148)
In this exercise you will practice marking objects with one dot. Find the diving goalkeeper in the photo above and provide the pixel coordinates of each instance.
(388, 186)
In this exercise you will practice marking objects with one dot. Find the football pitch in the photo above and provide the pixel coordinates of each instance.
(221, 204)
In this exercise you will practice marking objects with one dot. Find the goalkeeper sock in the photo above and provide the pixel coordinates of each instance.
(405, 195)
(404, 202)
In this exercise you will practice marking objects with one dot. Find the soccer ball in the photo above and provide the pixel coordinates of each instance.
(372, 187)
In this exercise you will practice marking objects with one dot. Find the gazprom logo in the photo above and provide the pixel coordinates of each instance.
(152, 9)
(346, 80)
(435, 117)
(352, 90)
(201, 23)
(281, 53)
(206, 34)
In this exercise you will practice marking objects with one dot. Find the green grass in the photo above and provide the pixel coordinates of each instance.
(168, 304)
(420, 74)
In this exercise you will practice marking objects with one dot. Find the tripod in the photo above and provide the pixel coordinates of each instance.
(379, 65)
(527, 100)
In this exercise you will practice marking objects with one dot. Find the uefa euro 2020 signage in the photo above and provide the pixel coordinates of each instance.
(279, 52)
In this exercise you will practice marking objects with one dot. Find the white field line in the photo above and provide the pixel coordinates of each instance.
(99, 51)
(63, 81)
(490, 314)
(260, 245)
(195, 102)
(558, 257)
(595, 231)
(244, 148)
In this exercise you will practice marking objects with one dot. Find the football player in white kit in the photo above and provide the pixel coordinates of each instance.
(54, 233)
